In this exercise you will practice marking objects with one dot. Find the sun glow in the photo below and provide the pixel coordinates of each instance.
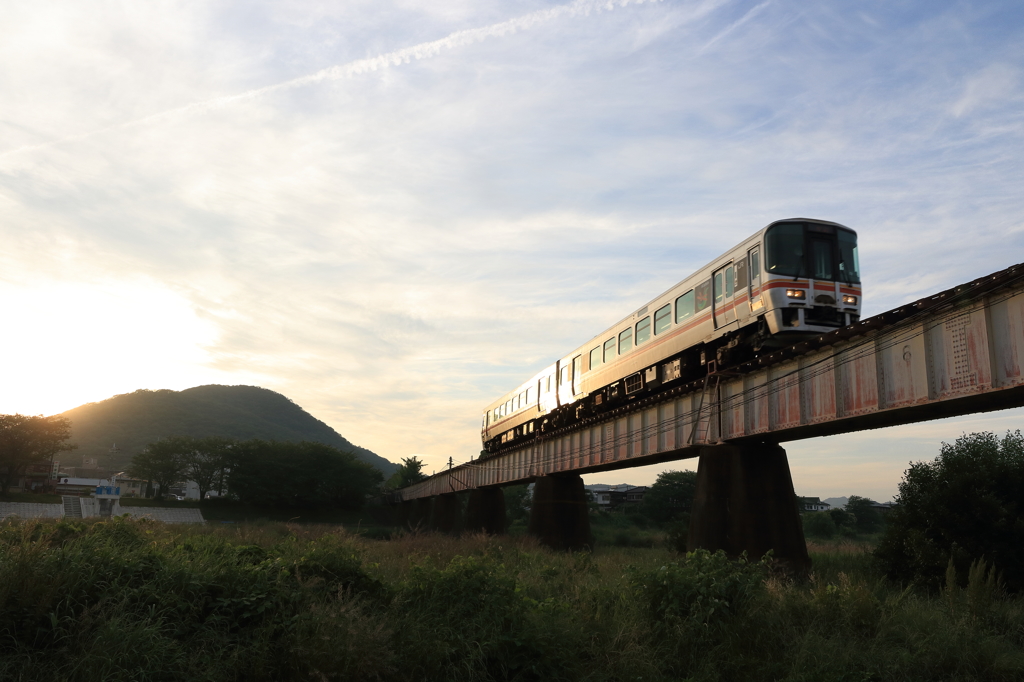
(70, 343)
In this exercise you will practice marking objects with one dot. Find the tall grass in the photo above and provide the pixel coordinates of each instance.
(137, 600)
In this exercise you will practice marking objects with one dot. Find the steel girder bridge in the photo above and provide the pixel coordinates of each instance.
(958, 352)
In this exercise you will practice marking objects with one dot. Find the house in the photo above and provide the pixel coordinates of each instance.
(636, 495)
(812, 504)
(610, 497)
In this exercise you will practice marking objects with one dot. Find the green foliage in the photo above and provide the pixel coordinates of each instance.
(818, 524)
(705, 587)
(842, 518)
(162, 462)
(671, 496)
(966, 505)
(517, 502)
(303, 475)
(207, 462)
(122, 600)
(409, 471)
(26, 440)
(135, 600)
(867, 519)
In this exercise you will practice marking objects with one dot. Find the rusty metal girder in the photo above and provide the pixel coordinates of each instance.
(957, 352)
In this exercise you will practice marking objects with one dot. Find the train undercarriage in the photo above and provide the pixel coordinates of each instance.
(718, 355)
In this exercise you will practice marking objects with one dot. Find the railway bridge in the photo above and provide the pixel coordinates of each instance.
(957, 352)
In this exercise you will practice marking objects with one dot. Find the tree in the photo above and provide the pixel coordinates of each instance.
(867, 519)
(966, 504)
(300, 475)
(671, 496)
(162, 462)
(206, 460)
(409, 472)
(842, 518)
(26, 440)
(517, 501)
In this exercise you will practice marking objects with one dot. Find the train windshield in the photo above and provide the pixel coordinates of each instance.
(814, 250)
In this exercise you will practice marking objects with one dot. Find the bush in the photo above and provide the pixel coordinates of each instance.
(819, 525)
(703, 586)
(966, 505)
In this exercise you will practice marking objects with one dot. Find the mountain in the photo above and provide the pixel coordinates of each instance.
(133, 420)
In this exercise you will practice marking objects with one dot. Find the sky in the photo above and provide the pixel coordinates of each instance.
(393, 212)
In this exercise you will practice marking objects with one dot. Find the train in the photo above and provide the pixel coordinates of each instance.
(793, 279)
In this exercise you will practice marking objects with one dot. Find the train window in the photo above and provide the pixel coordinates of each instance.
(785, 249)
(643, 330)
(719, 294)
(849, 265)
(663, 318)
(508, 407)
(595, 357)
(755, 267)
(528, 396)
(577, 362)
(821, 259)
(609, 349)
(625, 341)
(684, 307)
(730, 279)
(741, 274)
(522, 400)
(703, 294)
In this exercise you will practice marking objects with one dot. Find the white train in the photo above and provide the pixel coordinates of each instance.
(793, 279)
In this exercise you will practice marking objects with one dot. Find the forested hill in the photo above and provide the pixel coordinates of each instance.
(133, 420)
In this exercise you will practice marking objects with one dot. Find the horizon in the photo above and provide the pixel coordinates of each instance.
(393, 213)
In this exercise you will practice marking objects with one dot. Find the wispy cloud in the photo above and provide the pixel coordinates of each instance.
(750, 14)
(578, 8)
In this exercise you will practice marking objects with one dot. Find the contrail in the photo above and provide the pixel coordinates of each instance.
(732, 27)
(367, 65)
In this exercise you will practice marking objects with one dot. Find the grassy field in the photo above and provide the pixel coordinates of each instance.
(137, 600)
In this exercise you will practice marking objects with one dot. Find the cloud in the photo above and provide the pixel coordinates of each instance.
(991, 85)
(394, 252)
(359, 67)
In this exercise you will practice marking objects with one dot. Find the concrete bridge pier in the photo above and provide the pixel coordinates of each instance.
(419, 519)
(559, 516)
(404, 512)
(745, 502)
(447, 513)
(485, 511)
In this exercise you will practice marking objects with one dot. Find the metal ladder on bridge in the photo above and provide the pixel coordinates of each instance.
(712, 395)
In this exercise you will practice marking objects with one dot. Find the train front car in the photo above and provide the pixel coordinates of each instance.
(812, 279)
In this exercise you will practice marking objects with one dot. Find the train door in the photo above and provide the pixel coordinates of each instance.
(576, 372)
(723, 283)
(755, 279)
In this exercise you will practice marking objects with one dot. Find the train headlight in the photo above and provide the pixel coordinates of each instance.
(849, 300)
(799, 294)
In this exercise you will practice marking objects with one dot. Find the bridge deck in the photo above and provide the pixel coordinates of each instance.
(958, 352)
